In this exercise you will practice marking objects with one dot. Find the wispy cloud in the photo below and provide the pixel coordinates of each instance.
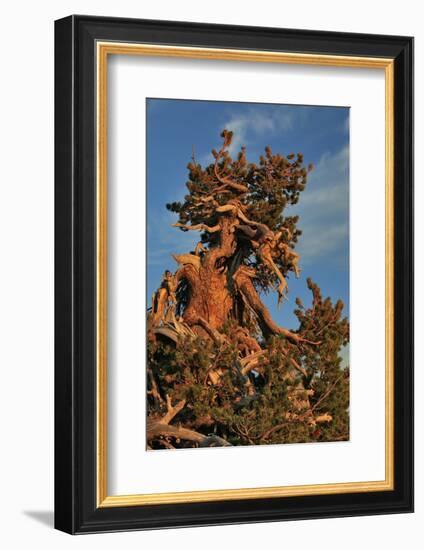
(322, 242)
(256, 123)
(324, 210)
(165, 240)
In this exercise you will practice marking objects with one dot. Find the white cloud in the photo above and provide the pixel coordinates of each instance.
(324, 209)
(321, 242)
(253, 125)
(257, 123)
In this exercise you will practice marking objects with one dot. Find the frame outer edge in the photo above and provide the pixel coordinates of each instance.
(405, 157)
(64, 447)
(412, 199)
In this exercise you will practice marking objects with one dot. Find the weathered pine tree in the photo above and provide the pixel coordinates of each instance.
(220, 370)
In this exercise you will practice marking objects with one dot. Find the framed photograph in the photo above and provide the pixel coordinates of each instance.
(234, 274)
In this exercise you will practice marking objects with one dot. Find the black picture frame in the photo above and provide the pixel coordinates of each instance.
(76, 510)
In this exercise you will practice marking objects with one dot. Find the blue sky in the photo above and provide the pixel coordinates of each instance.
(175, 127)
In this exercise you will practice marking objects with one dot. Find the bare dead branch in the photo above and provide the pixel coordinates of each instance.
(172, 410)
(198, 227)
(156, 429)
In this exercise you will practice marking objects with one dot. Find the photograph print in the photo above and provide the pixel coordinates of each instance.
(247, 274)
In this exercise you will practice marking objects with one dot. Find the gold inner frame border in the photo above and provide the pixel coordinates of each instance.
(103, 50)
